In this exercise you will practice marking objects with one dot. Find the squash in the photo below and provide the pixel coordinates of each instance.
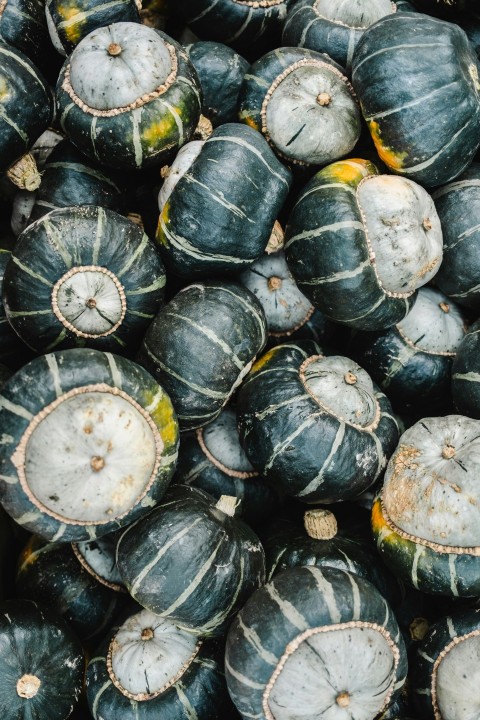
(427, 130)
(303, 104)
(149, 668)
(423, 519)
(333, 27)
(316, 643)
(122, 122)
(359, 244)
(12, 351)
(466, 374)
(191, 560)
(23, 26)
(41, 662)
(83, 276)
(412, 361)
(201, 345)
(315, 426)
(104, 419)
(211, 221)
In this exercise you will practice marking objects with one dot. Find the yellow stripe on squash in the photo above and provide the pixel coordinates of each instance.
(390, 157)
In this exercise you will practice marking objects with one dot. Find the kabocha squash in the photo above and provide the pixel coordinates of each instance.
(83, 276)
(458, 207)
(427, 130)
(317, 644)
(191, 560)
(466, 374)
(220, 71)
(332, 26)
(359, 244)
(213, 460)
(41, 663)
(71, 21)
(412, 361)
(12, 350)
(128, 96)
(23, 25)
(315, 426)
(303, 104)
(201, 345)
(90, 444)
(219, 215)
(424, 519)
(445, 668)
(26, 106)
(149, 668)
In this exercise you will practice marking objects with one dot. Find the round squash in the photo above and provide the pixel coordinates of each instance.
(13, 352)
(102, 418)
(466, 374)
(23, 26)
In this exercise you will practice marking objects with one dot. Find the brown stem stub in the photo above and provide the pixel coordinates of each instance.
(343, 699)
(274, 283)
(28, 686)
(320, 524)
(448, 452)
(164, 171)
(444, 306)
(114, 49)
(427, 224)
(24, 173)
(204, 129)
(91, 302)
(97, 463)
(350, 378)
(227, 504)
(276, 240)
(324, 99)
(147, 634)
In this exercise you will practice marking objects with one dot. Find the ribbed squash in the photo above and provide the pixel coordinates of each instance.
(23, 25)
(466, 374)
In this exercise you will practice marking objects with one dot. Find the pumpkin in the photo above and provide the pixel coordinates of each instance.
(423, 519)
(191, 560)
(445, 672)
(316, 643)
(41, 662)
(412, 361)
(427, 130)
(466, 374)
(315, 426)
(303, 104)
(83, 276)
(458, 207)
(359, 244)
(102, 418)
(149, 668)
(12, 351)
(332, 26)
(201, 345)
(23, 26)
(211, 221)
(220, 71)
(70, 22)
(128, 96)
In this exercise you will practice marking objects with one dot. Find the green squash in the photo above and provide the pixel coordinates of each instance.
(466, 374)
(13, 352)
(23, 25)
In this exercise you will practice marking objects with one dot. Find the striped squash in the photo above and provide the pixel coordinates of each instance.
(445, 669)
(71, 21)
(333, 27)
(23, 25)
(315, 426)
(26, 105)
(83, 276)
(466, 374)
(41, 663)
(427, 130)
(352, 250)
(122, 123)
(424, 520)
(191, 560)
(303, 104)
(98, 416)
(412, 361)
(148, 668)
(211, 221)
(317, 644)
(201, 345)
(13, 352)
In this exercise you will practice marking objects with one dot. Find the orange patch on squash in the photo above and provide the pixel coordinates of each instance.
(160, 130)
(164, 219)
(248, 120)
(164, 418)
(351, 171)
(264, 360)
(392, 159)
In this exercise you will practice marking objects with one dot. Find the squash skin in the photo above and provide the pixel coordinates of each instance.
(425, 141)
(173, 580)
(357, 298)
(78, 368)
(109, 140)
(212, 222)
(263, 614)
(23, 26)
(465, 374)
(12, 349)
(26, 103)
(295, 459)
(199, 390)
(37, 642)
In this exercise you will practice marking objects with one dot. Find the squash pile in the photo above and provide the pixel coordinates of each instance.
(240, 359)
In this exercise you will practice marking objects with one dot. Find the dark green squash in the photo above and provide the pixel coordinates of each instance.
(90, 444)
(191, 560)
(148, 668)
(23, 25)
(316, 426)
(41, 663)
(466, 374)
(427, 130)
(83, 276)
(316, 643)
(201, 345)
(12, 350)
